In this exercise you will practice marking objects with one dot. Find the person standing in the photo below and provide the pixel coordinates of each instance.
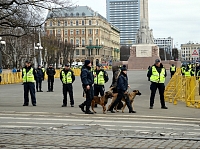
(67, 78)
(122, 86)
(87, 80)
(40, 78)
(172, 70)
(157, 74)
(100, 78)
(29, 76)
(50, 73)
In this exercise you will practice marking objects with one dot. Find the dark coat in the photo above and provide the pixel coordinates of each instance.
(66, 71)
(87, 77)
(51, 71)
(40, 73)
(122, 82)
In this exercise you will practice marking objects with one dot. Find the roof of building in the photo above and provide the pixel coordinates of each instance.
(76, 11)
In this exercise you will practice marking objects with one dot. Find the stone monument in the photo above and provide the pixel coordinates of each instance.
(144, 52)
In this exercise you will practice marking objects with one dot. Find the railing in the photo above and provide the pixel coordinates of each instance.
(183, 89)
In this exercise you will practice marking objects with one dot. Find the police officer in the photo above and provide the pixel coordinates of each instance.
(172, 70)
(100, 78)
(188, 72)
(87, 80)
(29, 77)
(67, 78)
(122, 86)
(157, 74)
(50, 72)
(183, 69)
(39, 79)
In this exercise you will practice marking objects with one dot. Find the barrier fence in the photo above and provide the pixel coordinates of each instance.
(183, 89)
(12, 78)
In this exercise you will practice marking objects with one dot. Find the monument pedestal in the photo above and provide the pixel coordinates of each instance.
(142, 56)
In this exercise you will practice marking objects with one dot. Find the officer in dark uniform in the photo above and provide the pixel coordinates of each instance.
(100, 78)
(67, 78)
(157, 74)
(40, 78)
(122, 86)
(87, 80)
(29, 76)
(172, 70)
(50, 72)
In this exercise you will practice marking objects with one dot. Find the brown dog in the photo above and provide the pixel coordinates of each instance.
(101, 101)
(131, 98)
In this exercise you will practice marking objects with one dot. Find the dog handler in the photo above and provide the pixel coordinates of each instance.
(87, 80)
(122, 86)
(157, 74)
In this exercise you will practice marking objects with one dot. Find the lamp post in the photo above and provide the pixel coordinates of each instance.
(39, 47)
(1, 47)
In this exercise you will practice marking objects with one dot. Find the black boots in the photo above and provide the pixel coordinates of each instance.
(88, 112)
(82, 107)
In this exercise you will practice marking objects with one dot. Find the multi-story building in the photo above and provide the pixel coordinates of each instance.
(165, 43)
(187, 51)
(124, 14)
(94, 37)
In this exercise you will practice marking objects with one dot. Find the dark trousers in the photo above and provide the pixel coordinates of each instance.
(39, 84)
(68, 88)
(161, 88)
(119, 98)
(29, 86)
(89, 96)
(172, 73)
(50, 83)
(98, 89)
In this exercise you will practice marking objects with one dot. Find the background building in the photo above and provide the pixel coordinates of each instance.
(124, 14)
(188, 52)
(165, 44)
(92, 35)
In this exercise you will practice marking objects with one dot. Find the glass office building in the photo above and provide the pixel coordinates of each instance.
(124, 14)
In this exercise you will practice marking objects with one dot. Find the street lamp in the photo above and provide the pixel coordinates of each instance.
(39, 47)
(1, 47)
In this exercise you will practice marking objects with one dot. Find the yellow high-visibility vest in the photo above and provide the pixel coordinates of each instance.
(156, 77)
(99, 80)
(28, 76)
(173, 68)
(67, 78)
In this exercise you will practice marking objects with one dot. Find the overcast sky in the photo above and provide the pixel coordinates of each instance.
(179, 19)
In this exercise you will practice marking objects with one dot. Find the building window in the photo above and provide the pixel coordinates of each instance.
(58, 23)
(72, 41)
(83, 31)
(83, 51)
(83, 42)
(97, 41)
(97, 31)
(90, 31)
(83, 14)
(58, 31)
(90, 22)
(51, 32)
(77, 22)
(83, 22)
(65, 23)
(90, 41)
(77, 32)
(66, 32)
(71, 32)
(51, 24)
(91, 51)
(77, 51)
(72, 14)
(77, 14)
(97, 23)
(77, 42)
(71, 23)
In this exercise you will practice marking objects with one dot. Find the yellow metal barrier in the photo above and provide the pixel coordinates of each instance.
(183, 89)
(12, 78)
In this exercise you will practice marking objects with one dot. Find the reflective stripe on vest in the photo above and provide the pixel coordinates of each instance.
(99, 80)
(28, 76)
(156, 77)
(173, 68)
(67, 78)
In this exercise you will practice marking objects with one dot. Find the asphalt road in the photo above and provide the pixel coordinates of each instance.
(48, 125)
